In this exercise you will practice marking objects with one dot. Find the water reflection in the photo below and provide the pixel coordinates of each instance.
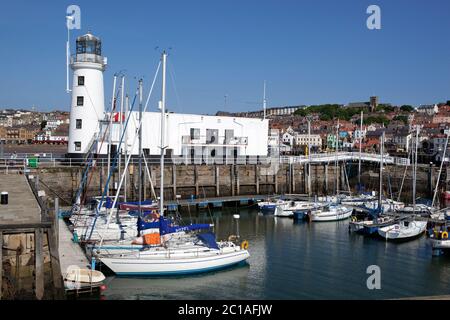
(300, 261)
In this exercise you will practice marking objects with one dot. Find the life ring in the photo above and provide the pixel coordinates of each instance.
(445, 235)
(244, 245)
(354, 219)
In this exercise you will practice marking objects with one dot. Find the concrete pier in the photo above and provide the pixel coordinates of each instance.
(70, 253)
(22, 207)
(29, 244)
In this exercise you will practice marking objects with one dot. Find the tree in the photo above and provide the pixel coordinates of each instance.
(43, 124)
(401, 118)
(376, 119)
(406, 108)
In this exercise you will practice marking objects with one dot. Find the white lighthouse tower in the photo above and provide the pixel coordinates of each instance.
(88, 105)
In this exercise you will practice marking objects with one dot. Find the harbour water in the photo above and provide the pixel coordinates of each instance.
(300, 261)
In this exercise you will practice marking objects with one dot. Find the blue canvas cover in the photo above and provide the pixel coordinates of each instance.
(209, 239)
(109, 202)
(167, 226)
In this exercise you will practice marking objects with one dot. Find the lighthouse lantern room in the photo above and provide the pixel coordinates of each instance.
(88, 106)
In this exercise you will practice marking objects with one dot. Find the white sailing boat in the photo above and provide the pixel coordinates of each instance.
(386, 205)
(331, 213)
(403, 230)
(288, 208)
(370, 226)
(406, 229)
(163, 255)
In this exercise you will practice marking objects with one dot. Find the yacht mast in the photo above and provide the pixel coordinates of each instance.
(380, 191)
(360, 147)
(309, 156)
(264, 101)
(415, 168)
(122, 89)
(127, 104)
(337, 160)
(440, 169)
(140, 146)
(163, 122)
(113, 101)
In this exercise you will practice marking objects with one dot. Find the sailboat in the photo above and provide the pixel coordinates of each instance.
(373, 218)
(330, 213)
(174, 253)
(403, 230)
(288, 208)
(406, 229)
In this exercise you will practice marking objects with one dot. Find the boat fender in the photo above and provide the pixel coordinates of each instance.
(244, 245)
(445, 235)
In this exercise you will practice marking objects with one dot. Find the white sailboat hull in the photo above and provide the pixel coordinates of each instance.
(334, 215)
(177, 264)
(401, 232)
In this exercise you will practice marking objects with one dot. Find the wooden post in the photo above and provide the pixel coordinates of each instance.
(1, 263)
(289, 178)
(293, 178)
(174, 181)
(217, 181)
(316, 180)
(305, 181)
(326, 179)
(196, 180)
(257, 178)
(56, 222)
(232, 179)
(343, 177)
(276, 182)
(56, 267)
(238, 189)
(39, 263)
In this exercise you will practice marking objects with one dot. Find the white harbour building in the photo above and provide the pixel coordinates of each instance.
(188, 137)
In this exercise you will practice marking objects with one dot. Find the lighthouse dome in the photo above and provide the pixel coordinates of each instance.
(89, 43)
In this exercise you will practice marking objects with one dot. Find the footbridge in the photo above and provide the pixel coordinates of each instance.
(345, 156)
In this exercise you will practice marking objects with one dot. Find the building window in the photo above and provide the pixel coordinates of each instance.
(212, 135)
(81, 80)
(80, 101)
(78, 124)
(77, 145)
(195, 134)
(229, 135)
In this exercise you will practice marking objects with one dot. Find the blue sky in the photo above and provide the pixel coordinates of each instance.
(309, 52)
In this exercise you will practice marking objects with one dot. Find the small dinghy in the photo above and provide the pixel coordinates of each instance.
(403, 230)
(78, 275)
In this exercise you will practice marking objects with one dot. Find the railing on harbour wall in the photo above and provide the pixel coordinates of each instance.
(50, 160)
